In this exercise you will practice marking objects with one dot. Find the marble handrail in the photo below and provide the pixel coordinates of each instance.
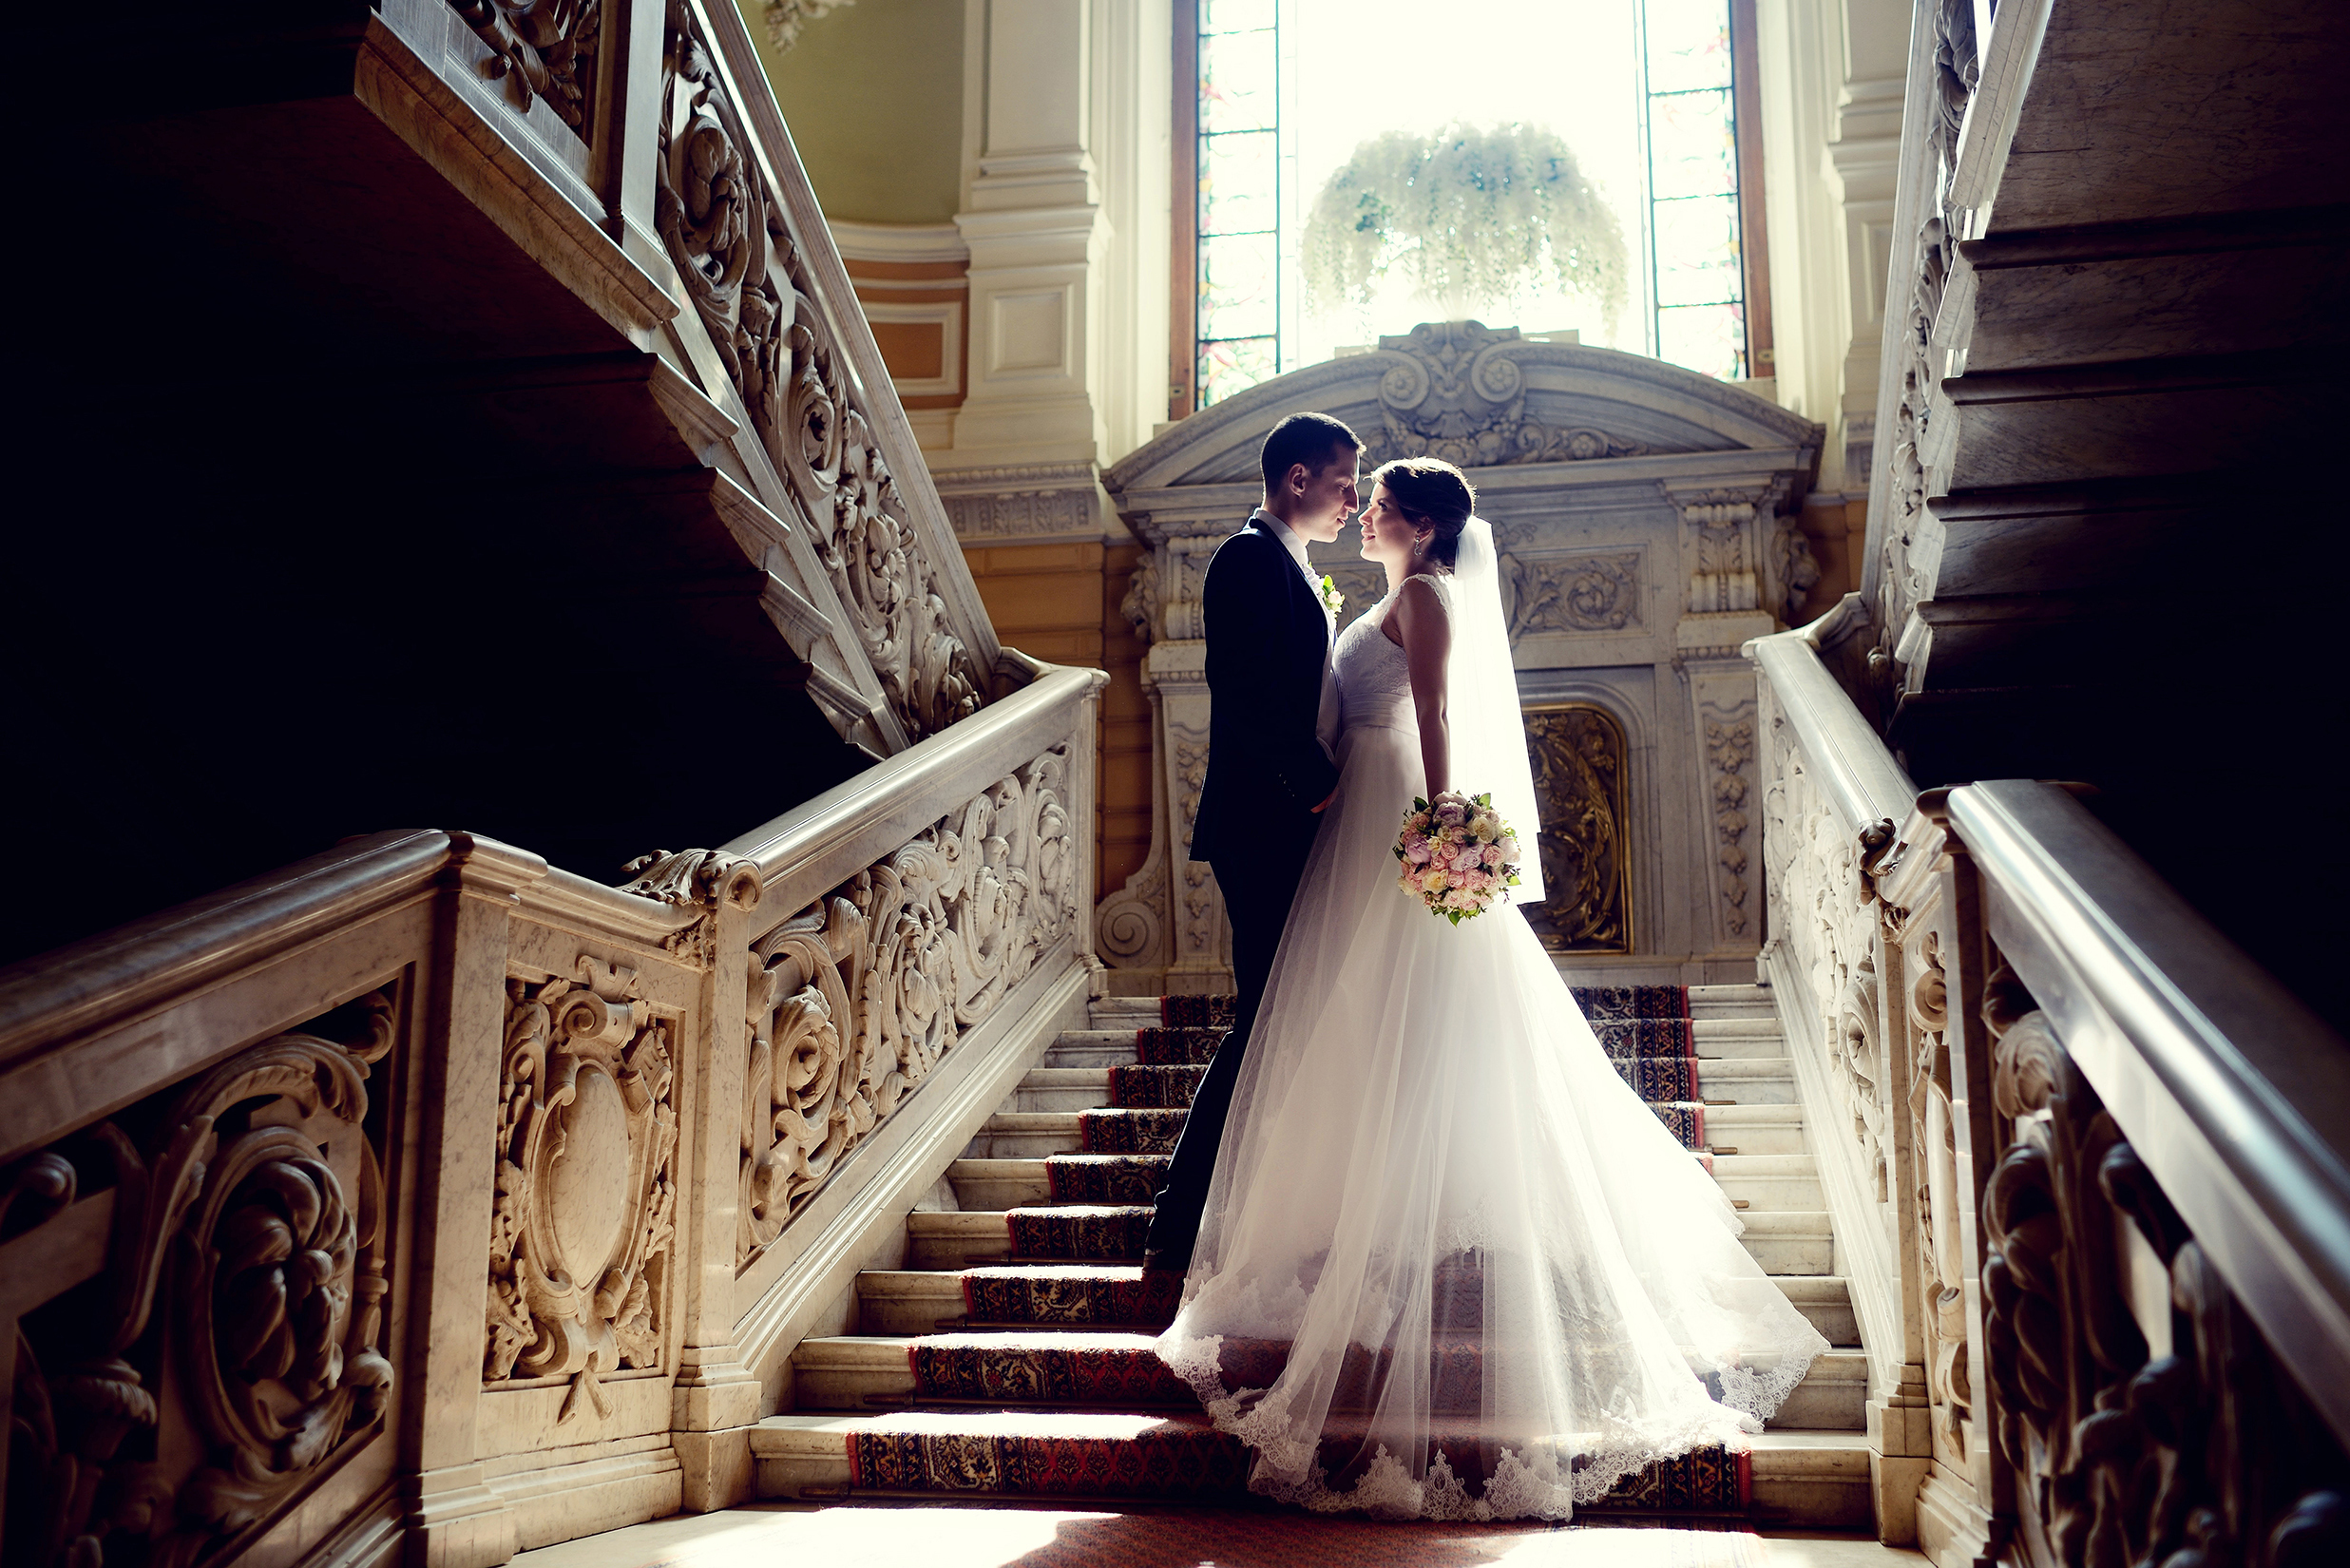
(1860, 776)
(814, 846)
(2235, 1094)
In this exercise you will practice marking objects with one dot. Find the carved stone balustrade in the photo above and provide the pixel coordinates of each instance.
(1646, 519)
(424, 1136)
(2086, 1164)
(765, 362)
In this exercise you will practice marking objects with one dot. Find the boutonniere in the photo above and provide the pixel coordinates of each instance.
(1332, 599)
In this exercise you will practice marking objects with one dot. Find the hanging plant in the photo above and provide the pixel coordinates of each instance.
(1470, 218)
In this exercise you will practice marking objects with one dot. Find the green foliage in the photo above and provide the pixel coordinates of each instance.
(1476, 218)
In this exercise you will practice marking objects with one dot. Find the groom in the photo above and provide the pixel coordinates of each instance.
(1273, 718)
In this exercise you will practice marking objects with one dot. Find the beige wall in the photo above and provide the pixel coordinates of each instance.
(881, 145)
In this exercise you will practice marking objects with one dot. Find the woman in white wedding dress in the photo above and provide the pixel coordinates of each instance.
(1451, 1265)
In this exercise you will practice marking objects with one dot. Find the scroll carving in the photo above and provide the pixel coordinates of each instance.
(1940, 1242)
(2206, 1455)
(693, 879)
(854, 1002)
(1729, 759)
(753, 295)
(1577, 594)
(1955, 73)
(543, 50)
(1454, 391)
(586, 1184)
(1579, 779)
(250, 1207)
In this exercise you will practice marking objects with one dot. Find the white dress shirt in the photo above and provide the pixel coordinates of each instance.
(1326, 718)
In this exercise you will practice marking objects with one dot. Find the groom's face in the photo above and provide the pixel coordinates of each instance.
(1329, 496)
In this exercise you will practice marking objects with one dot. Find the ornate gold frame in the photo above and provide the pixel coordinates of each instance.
(1565, 810)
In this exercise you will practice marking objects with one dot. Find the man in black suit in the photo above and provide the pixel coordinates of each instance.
(1272, 721)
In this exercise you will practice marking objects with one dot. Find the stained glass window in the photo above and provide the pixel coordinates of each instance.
(1697, 269)
(1239, 303)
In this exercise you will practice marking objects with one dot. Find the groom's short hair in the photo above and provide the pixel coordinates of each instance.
(1313, 439)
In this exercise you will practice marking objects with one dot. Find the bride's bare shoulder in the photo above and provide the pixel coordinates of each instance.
(1419, 606)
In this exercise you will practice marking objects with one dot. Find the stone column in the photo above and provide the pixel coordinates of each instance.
(454, 1519)
(714, 1401)
(1073, 131)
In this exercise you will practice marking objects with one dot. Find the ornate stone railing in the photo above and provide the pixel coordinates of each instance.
(417, 1198)
(635, 149)
(2089, 1168)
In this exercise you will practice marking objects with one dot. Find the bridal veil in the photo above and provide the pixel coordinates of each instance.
(1451, 1265)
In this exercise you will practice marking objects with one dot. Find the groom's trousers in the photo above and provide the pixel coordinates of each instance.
(1258, 892)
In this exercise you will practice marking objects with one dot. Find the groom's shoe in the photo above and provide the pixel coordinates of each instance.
(1154, 1259)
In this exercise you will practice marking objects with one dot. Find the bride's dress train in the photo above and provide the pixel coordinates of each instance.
(1452, 1265)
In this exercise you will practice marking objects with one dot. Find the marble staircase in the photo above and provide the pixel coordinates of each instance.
(1809, 1469)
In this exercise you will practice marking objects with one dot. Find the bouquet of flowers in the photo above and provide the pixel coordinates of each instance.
(1458, 855)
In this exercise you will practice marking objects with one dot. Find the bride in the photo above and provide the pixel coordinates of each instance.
(1451, 1265)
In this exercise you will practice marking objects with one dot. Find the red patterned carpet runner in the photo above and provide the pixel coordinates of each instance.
(1065, 1336)
(1060, 1454)
(1075, 1297)
(1130, 1132)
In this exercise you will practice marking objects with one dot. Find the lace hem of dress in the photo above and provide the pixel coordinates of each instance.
(1522, 1485)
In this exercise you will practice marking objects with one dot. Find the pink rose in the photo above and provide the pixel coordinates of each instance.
(1493, 854)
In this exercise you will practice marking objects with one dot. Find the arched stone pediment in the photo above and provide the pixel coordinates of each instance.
(1481, 397)
(1645, 519)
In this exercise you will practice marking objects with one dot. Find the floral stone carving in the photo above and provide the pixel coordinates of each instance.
(252, 1213)
(753, 295)
(855, 1000)
(541, 50)
(586, 1183)
(1453, 391)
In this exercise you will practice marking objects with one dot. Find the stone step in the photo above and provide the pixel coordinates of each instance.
(1746, 1080)
(1757, 1035)
(917, 1301)
(1756, 1129)
(1802, 1480)
(875, 1371)
(1054, 1088)
(1794, 1241)
(1033, 1135)
(1762, 1183)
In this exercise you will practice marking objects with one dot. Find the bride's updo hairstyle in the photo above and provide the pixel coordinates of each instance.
(1430, 493)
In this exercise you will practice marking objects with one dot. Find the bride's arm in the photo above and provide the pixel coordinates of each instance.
(1425, 631)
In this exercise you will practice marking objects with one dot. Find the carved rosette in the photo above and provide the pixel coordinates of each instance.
(1454, 390)
(253, 1215)
(586, 1183)
(855, 1000)
(753, 295)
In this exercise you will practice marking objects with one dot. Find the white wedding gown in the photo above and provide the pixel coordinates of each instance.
(1452, 1265)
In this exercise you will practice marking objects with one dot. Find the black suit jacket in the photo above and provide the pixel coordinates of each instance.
(1268, 641)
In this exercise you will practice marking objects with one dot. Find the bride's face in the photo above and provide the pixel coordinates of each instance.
(1387, 534)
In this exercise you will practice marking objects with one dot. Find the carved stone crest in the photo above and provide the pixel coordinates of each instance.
(586, 1183)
